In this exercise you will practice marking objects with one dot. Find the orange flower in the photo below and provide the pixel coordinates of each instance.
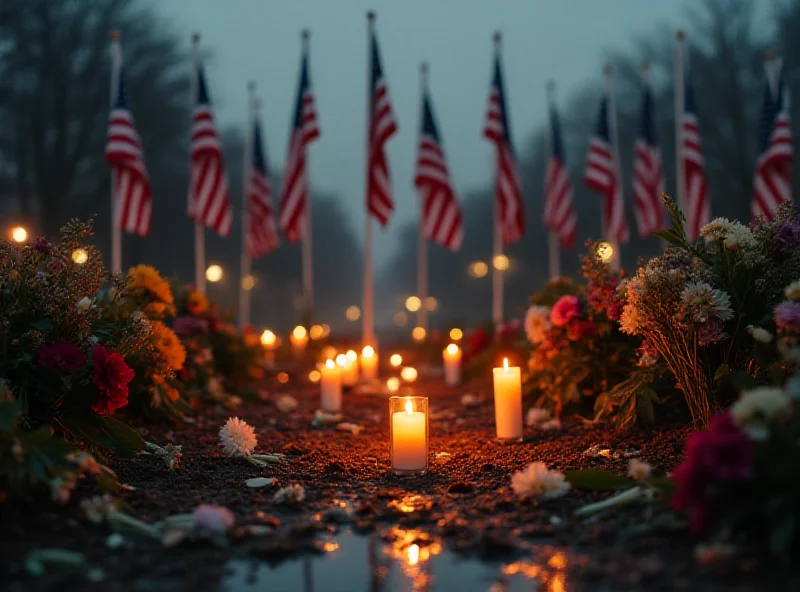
(197, 303)
(168, 345)
(144, 277)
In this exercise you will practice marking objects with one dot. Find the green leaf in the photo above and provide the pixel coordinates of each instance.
(665, 484)
(103, 430)
(597, 479)
(722, 371)
(124, 435)
(670, 237)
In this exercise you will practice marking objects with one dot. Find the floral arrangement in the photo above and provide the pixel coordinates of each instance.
(193, 324)
(704, 309)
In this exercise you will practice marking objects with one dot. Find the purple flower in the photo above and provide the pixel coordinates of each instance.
(711, 331)
(215, 519)
(787, 316)
(788, 234)
(188, 325)
(41, 246)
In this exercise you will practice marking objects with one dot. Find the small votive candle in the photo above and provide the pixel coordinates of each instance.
(508, 402)
(350, 369)
(270, 341)
(452, 364)
(299, 339)
(408, 435)
(369, 363)
(331, 387)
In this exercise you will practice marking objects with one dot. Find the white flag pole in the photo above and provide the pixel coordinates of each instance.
(116, 228)
(199, 231)
(553, 242)
(307, 249)
(422, 243)
(246, 259)
(614, 132)
(497, 274)
(367, 329)
(680, 108)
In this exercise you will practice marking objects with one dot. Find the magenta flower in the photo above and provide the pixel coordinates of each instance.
(566, 309)
(63, 354)
(711, 331)
(787, 316)
(187, 325)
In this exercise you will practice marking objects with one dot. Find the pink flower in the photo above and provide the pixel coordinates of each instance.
(62, 354)
(215, 519)
(711, 331)
(111, 375)
(188, 325)
(787, 316)
(566, 309)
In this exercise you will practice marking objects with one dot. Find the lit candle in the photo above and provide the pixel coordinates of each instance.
(350, 369)
(452, 364)
(369, 363)
(409, 434)
(508, 402)
(331, 387)
(299, 340)
(270, 341)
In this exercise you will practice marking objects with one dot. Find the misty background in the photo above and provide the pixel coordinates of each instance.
(54, 94)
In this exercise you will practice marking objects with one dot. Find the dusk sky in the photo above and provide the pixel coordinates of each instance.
(259, 40)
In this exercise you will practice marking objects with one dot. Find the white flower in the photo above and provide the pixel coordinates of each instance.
(286, 403)
(739, 237)
(353, 428)
(757, 408)
(537, 481)
(760, 334)
(83, 304)
(97, 508)
(213, 519)
(292, 494)
(553, 424)
(717, 229)
(537, 416)
(792, 291)
(237, 438)
(701, 301)
(639, 470)
(537, 323)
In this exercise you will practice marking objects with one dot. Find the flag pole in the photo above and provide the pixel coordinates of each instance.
(554, 244)
(614, 132)
(422, 248)
(680, 108)
(307, 250)
(116, 228)
(246, 260)
(497, 274)
(199, 231)
(367, 321)
(771, 71)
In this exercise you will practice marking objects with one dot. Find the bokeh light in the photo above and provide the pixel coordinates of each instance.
(400, 319)
(452, 349)
(419, 334)
(299, 333)
(605, 252)
(456, 334)
(80, 256)
(316, 332)
(248, 282)
(341, 360)
(282, 377)
(353, 313)
(368, 351)
(19, 234)
(268, 339)
(413, 303)
(351, 355)
(314, 376)
(431, 304)
(393, 384)
(214, 273)
(478, 269)
(501, 262)
(408, 373)
(396, 360)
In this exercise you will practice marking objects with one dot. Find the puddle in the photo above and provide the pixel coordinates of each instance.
(399, 560)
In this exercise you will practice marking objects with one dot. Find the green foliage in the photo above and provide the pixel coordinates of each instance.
(597, 480)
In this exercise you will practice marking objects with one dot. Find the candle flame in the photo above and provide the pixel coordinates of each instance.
(268, 338)
(505, 364)
(413, 554)
(368, 351)
(351, 355)
(409, 406)
(330, 364)
(299, 333)
(341, 360)
(452, 349)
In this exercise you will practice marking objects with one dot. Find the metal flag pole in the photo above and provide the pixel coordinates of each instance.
(116, 228)
(614, 133)
(553, 242)
(422, 244)
(367, 335)
(199, 231)
(246, 260)
(307, 249)
(497, 274)
(680, 108)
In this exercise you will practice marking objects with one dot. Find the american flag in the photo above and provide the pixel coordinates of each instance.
(559, 208)
(773, 181)
(508, 191)
(697, 202)
(382, 126)
(208, 189)
(134, 202)
(295, 184)
(648, 175)
(441, 215)
(262, 235)
(602, 175)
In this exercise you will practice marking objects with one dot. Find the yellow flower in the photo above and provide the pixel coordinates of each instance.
(197, 303)
(144, 277)
(168, 345)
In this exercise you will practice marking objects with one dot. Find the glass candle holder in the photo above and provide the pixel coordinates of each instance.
(408, 435)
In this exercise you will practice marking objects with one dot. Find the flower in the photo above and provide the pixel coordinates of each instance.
(197, 303)
(237, 438)
(83, 304)
(292, 494)
(41, 246)
(537, 323)
(639, 470)
(792, 291)
(564, 310)
(144, 277)
(213, 519)
(788, 234)
(648, 356)
(711, 331)
(188, 324)
(787, 316)
(537, 416)
(168, 345)
(111, 375)
(537, 481)
(580, 330)
(286, 403)
(739, 237)
(759, 334)
(759, 407)
(717, 229)
(701, 301)
(63, 354)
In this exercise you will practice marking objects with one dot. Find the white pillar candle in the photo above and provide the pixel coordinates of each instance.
(299, 339)
(369, 363)
(452, 364)
(350, 369)
(508, 402)
(409, 434)
(331, 387)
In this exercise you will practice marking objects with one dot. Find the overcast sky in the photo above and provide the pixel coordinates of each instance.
(542, 39)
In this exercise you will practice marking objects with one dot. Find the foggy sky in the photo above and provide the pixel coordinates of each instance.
(259, 40)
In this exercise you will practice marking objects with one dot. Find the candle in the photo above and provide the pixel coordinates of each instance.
(331, 387)
(350, 369)
(299, 340)
(369, 363)
(452, 364)
(270, 341)
(409, 434)
(508, 402)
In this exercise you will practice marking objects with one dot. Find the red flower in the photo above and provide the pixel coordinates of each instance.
(62, 354)
(580, 330)
(111, 375)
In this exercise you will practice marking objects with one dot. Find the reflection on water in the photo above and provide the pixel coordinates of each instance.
(400, 560)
